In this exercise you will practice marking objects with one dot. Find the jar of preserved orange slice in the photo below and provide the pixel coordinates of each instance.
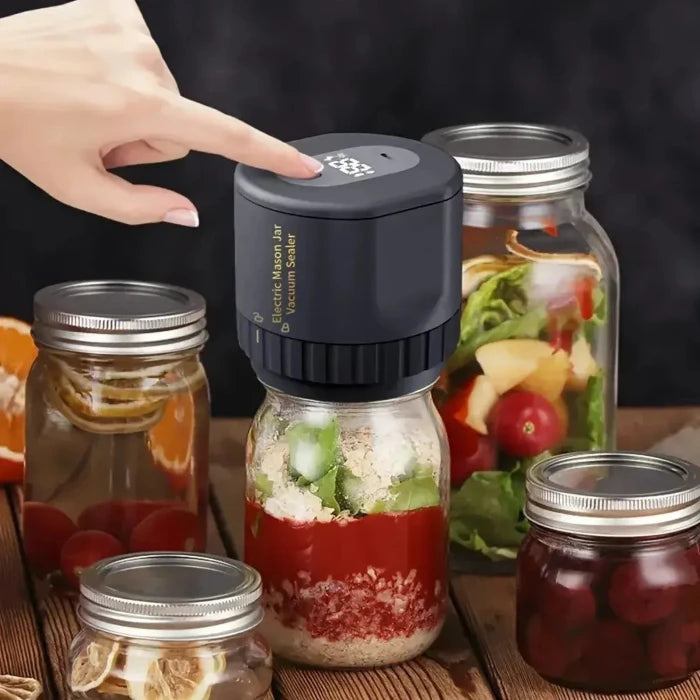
(117, 413)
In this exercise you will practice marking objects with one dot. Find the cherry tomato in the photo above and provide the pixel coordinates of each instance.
(85, 548)
(170, 529)
(469, 451)
(118, 518)
(45, 530)
(524, 424)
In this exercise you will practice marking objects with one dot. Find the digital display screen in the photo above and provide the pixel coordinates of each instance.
(359, 163)
(348, 165)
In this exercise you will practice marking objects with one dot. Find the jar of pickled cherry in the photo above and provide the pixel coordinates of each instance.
(534, 371)
(172, 626)
(117, 426)
(608, 584)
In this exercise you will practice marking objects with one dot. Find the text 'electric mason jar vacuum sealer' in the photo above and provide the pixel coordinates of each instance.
(348, 299)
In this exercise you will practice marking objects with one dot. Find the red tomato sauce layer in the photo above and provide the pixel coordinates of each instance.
(381, 575)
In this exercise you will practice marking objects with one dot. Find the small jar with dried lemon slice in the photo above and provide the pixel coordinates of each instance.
(117, 426)
(170, 625)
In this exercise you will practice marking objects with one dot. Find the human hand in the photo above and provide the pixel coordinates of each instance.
(84, 88)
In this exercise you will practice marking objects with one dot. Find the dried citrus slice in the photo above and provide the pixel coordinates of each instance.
(171, 440)
(16, 688)
(92, 665)
(17, 353)
(155, 675)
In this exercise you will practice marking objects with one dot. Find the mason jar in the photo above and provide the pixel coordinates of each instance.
(346, 522)
(608, 585)
(117, 426)
(169, 625)
(535, 369)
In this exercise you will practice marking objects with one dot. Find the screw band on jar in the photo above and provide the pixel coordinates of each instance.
(601, 494)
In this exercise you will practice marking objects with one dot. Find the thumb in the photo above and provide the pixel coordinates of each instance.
(99, 192)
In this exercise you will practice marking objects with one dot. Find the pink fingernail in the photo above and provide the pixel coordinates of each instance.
(182, 217)
(315, 166)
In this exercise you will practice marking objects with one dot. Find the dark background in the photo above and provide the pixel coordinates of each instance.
(626, 73)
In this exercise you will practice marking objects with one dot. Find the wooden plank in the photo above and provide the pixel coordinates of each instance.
(488, 603)
(449, 671)
(21, 650)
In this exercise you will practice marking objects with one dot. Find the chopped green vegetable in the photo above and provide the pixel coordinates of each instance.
(486, 512)
(497, 310)
(419, 491)
(325, 489)
(263, 485)
(348, 490)
(313, 450)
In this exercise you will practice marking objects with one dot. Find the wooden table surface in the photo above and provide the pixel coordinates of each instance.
(474, 658)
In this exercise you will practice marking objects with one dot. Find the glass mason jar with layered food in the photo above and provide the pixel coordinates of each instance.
(117, 426)
(534, 372)
(346, 522)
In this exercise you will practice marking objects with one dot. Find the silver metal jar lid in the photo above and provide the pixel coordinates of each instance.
(613, 494)
(515, 160)
(170, 596)
(117, 317)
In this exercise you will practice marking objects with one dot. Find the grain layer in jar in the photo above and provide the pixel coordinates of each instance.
(169, 625)
(346, 522)
(608, 583)
(117, 426)
(535, 368)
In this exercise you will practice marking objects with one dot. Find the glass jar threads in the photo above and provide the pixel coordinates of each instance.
(346, 522)
(117, 426)
(170, 625)
(608, 586)
(535, 369)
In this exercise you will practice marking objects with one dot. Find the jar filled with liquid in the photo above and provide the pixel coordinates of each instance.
(117, 426)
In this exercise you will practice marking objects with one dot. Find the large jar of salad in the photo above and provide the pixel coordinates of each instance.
(117, 426)
(534, 372)
(346, 522)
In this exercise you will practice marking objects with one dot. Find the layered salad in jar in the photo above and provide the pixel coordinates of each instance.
(527, 380)
(345, 521)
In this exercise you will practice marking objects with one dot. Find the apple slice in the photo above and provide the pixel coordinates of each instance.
(480, 401)
(583, 365)
(508, 362)
(549, 378)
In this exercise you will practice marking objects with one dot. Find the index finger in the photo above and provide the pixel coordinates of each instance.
(201, 128)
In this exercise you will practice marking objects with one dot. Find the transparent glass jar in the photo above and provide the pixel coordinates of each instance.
(117, 426)
(608, 586)
(535, 369)
(346, 522)
(170, 625)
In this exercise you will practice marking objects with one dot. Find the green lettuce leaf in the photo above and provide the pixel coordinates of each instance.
(497, 310)
(418, 491)
(587, 416)
(600, 313)
(486, 511)
(348, 490)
